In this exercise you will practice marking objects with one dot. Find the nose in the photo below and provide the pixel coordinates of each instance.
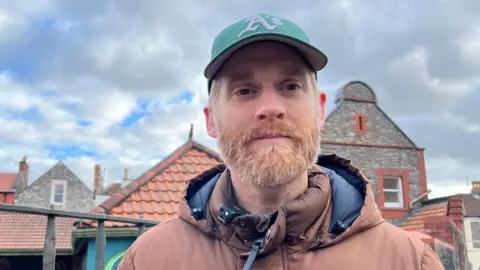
(269, 106)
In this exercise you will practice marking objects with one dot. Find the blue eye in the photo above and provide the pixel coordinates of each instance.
(291, 87)
(244, 91)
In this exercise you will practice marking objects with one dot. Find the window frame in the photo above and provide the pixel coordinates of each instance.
(399, 190)
(471, 232)
(52, 192)
(403, 174)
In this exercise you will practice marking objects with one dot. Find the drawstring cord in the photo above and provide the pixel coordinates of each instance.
(256, 246)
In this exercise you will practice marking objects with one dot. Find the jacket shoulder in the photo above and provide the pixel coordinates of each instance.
(412, 246)
(160, 244)
(430, 260)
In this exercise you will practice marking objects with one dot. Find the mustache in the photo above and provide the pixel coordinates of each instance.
(271, 130)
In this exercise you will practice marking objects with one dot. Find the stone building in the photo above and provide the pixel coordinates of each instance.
(59, 187)
(359, 130)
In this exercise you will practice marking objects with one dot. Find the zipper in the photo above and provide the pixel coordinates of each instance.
(256, 247)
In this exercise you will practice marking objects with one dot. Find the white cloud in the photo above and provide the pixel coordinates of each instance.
(99, 59)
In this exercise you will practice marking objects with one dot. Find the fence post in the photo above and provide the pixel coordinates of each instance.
(101, 245)
(141, 227)
(49, 247)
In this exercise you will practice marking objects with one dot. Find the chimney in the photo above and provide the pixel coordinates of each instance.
(456, 211)
(125, 181)
(23, 170)
(475, 187)
(98, 180)
(21, 180)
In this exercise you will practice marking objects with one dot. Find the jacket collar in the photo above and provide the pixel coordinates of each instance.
(338, 203)
(296, 223)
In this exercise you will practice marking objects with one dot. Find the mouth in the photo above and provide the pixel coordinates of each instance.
(272, 137)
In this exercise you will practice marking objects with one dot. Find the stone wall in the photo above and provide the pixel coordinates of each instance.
(369, 159)
(78, 197)
(359, 130)
(340, 126)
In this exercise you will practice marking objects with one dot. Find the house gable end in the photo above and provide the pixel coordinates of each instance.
(357, 119)
(77, 196)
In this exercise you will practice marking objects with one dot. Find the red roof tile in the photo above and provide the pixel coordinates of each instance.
(156, 194)
(26, 232)
(416, 221)
(6, 181)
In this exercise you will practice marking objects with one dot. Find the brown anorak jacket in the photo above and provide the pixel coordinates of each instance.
(334, 225)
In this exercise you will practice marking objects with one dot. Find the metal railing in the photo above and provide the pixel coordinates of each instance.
(49, 251)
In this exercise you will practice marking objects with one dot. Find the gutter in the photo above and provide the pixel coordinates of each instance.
(419, 198)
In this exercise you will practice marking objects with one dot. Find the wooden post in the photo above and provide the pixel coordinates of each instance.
(141, 230)
(101, 246)
(49, 246)
(141, 227)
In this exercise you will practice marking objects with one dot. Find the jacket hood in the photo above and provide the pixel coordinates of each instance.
(338, 203)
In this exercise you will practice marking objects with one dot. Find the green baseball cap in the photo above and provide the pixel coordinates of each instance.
(261, 27)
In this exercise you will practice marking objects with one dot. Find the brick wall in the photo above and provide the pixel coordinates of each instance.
(78, 197)
(376, 145)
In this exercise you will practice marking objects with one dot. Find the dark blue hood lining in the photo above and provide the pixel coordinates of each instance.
(348, 194)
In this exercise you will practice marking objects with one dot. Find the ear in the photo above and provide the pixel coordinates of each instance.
(322, 103)
(211, 128)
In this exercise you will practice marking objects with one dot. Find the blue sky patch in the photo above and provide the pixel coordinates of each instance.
(31, 115)
(43, 23)
(48, 93)
(142, 110)
(184, 96)
(84, 123)
(64, 151)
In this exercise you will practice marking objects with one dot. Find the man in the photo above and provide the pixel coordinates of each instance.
(270, 206)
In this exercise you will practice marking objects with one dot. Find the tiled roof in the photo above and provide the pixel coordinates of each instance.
(416, 221)
(26, 232)
(156, 194)
(472, 205)
(6, 181)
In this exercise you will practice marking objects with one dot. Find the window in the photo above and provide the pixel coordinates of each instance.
(392, 192)
(360, 123)
(59, 192)
(475, 227)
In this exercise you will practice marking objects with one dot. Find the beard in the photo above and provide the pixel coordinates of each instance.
(272, 165)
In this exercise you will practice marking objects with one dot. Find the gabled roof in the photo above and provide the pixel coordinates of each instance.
(471, 204)
(59, 163)
(6, 181)
(155, 195)
(340, 99)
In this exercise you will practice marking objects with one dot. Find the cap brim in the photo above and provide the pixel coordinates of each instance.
(317, 59)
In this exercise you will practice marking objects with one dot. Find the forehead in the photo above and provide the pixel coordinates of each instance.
(262, 56)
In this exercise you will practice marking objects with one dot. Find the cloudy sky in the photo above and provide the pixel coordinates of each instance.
(119, 82)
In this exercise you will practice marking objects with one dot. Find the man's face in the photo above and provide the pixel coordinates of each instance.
(267, 115)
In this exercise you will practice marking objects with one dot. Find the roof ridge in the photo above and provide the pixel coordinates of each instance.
(207, 150)
(120, 196)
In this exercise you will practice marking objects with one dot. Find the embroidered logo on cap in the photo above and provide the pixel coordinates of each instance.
(255, 21)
